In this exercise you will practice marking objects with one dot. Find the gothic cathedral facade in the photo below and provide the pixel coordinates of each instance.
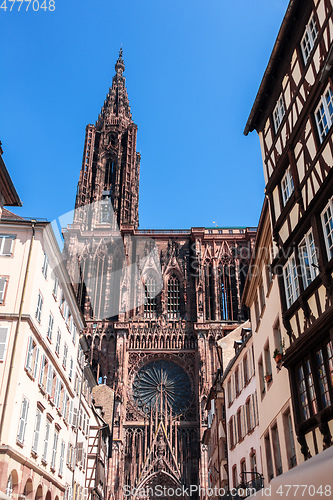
(155, 303)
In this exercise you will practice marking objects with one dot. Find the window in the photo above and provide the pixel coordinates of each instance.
(36, 431)
(278, 113)
(173, 298)
(237, 382)
(62, 455)
(291, 281)
(309, 38)
(3, 286)
(50, 327)
(105, 212)
(23, 420)
(150, 296)
(306, 390)
(3, 342)
(229, 392)
(268, 366)
(54, 449)
(46, 440)
(55, 287)
(276, 450)
(39, 307)
(71, 365)
(323, 382)
(6, 244)
(45, 266)
(64, 359)
(57, 392)
(261, 297)
(31, 364)
(49, 380)
(57, 346)
(327, 222)
(287, 186)
(73, 333)
(308, 258)
(324, 114)
(269, 460)
(290, 442)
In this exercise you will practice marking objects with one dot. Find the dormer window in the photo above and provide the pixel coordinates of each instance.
(287, 186)
(278, 113)
(309, 38)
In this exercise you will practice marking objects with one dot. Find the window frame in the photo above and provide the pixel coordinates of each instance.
(279, 112)
(328, 236)
(308, 269)
(2, 244)
(287, 186)
(310, 39)
(39, 308)
(23, 420)
(294, 284)
(3, 342)
(3, 292)
(325, 116)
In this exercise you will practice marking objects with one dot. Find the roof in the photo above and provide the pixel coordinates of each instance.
(7, 189)
(274, 61)
(7, 214)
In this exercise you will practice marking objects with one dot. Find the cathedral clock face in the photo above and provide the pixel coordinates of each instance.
(162, 384)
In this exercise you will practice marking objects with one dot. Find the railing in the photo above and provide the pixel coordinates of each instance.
(163, 231)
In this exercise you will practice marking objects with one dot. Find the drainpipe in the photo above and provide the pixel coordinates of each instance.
(11, 366)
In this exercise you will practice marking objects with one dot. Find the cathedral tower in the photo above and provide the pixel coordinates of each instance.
(111, 166)
(155, 303)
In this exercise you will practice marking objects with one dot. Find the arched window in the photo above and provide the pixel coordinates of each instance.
(150, 296)
(173, 297)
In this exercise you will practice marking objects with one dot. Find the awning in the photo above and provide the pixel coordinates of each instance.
(310, 479)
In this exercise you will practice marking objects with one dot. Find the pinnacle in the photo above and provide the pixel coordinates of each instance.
(120, 65)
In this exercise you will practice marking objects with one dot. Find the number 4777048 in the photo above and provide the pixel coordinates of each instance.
(12, 5)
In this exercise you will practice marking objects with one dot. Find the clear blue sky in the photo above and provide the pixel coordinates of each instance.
(193, 69)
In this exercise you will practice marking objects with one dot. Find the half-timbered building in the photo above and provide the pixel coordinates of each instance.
(293, 115)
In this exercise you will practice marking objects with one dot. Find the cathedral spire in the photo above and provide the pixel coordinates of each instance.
(116, 103)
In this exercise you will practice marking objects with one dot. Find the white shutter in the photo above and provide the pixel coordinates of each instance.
(54, 450)
(50, 327)
(255, 407)
(57, 393)
(74, 423)
(49, 379)
(36, 362)
(79, 454)
(3, 282)
(37, 431)
(46, 440)
(62, 454)
(70, 415)
(243, 421)
(64, 405)
(23, 420)
(28, 363)
(3, 342)
(71, 364)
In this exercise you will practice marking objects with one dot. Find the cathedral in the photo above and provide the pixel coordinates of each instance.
(155, 302)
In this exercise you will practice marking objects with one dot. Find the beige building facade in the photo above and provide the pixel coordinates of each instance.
(278, 443)
(44, 397)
